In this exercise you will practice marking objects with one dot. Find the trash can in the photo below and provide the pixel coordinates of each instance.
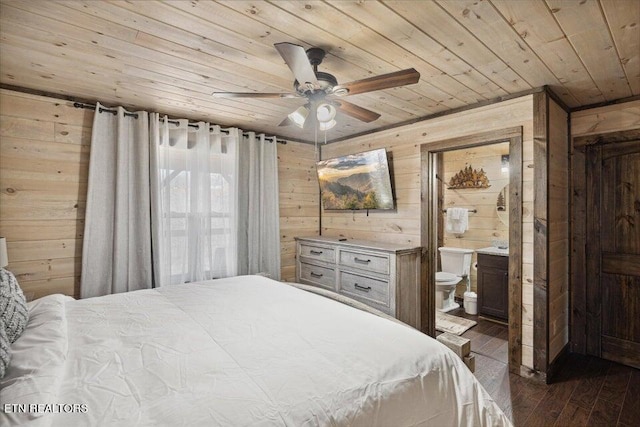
(471, 303)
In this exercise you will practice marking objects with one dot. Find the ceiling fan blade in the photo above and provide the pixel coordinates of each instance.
(253, 95)
(355, 111)
(385, 81)
(296, 58)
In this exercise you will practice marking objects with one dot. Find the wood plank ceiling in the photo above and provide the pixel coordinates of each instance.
(169, 56)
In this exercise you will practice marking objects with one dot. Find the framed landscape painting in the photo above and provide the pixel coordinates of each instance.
(357, 181)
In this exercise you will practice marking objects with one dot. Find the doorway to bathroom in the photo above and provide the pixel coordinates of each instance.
(471, 201)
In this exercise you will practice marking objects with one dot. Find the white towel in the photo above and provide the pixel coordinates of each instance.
(457, 220)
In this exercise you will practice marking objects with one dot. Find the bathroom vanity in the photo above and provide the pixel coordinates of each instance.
(493, 283)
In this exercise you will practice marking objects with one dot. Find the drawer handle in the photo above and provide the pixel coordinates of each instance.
(312, 252)
(362, 261)
(316, 274)
(362, 288)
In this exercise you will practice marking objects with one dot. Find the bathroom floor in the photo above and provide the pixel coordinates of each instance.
(587, 390)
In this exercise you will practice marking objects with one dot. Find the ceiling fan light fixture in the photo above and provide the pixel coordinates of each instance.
(324, 126)
(325, 112)
(299, 116)
(316, 85)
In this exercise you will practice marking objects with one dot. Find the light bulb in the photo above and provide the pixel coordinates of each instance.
(325, 112)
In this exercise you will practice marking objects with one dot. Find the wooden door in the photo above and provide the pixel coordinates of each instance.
(613, 252)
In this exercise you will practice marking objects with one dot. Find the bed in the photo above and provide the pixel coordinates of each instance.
(243, 351)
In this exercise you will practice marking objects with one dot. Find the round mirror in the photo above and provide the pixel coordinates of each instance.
(502, 205)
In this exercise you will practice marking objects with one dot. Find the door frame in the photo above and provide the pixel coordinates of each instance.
(429, 215)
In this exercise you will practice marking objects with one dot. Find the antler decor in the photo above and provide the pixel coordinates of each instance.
(469, 178)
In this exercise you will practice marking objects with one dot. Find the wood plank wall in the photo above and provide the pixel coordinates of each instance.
(595, 121)
(403, 147)
(299, 201)
(611, 118)
(484, 225)
(559, 179)
(44, 159)
(44, 155)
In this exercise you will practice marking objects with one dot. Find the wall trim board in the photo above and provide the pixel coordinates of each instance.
(515, 253)
(593, 287)
(577, 301)
(482, 138)
(605, 104)
(571, 200)
(430, 207)
(428, 216)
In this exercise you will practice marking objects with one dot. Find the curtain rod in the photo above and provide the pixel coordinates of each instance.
(468, 210)
(103, 110)
(135, 115)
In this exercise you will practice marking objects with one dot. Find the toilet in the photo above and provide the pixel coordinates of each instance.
(456, 263)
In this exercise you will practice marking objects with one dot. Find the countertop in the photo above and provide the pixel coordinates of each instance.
(492, 250)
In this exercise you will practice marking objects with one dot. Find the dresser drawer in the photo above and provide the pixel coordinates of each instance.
(320, 276)
(366, 261)
(318, 252)
(365, 289)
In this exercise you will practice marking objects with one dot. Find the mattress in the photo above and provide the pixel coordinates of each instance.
(243, 351)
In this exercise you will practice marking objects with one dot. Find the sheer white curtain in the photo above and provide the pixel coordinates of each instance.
(194, 201)
(116, 253)
(259, 213)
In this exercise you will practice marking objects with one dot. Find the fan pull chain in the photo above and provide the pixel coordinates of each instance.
(315, 130)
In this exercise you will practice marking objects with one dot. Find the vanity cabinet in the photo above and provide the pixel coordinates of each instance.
(382, 275)
(493, 286)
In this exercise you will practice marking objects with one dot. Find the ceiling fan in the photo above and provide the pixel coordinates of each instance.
(316, 86)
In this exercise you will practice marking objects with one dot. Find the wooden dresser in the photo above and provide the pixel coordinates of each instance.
(382, 275)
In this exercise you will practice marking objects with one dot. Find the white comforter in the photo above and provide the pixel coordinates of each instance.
(245, 351)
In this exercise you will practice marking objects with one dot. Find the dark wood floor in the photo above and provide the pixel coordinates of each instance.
(587, 391)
